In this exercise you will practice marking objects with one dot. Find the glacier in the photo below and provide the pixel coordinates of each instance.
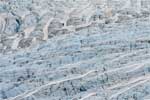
(74, 50)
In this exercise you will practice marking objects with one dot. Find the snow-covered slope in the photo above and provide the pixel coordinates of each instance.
(101, 57)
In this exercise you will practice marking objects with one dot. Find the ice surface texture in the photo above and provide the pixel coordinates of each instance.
(74, 50)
